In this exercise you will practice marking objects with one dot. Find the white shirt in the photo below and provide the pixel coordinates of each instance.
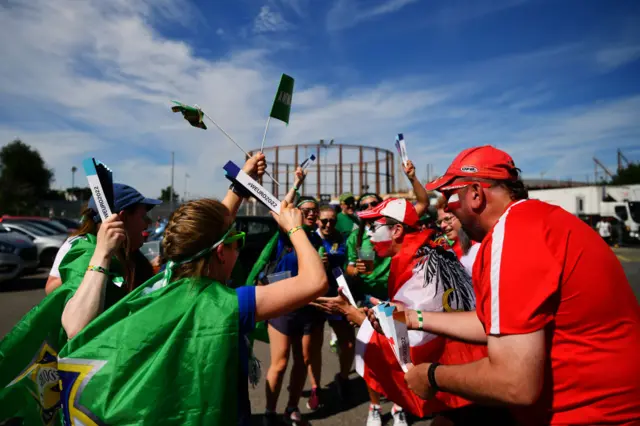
(604, 228)
(469, 259)
(64, 249)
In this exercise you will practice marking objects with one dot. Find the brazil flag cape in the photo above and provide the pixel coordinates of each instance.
(260, 332)
(29, 385)
(162, 355)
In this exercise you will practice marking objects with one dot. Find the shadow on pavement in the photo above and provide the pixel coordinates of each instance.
(25, 283)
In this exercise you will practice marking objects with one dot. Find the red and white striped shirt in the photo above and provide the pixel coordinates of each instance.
(541, 267)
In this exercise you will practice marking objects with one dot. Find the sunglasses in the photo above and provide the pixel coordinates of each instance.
(326, 221)
(366, 206)
(453, 195)
(307, 212)
(231, 236)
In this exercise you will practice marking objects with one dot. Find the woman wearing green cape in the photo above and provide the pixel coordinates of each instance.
(174, 351)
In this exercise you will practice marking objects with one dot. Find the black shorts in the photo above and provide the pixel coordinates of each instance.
(298, 323)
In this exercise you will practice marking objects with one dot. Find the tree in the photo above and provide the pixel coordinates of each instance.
(165, 195)
(24, 178)
(627, 176)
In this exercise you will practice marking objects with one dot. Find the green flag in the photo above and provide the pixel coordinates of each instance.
(162, 355)
(282, 103)
(260, 332)
(29, 387)
(193, 115)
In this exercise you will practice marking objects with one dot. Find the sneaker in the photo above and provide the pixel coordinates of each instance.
(333, 343)
(270, 419)
(399, 417)
(375, 417)
(342, 387)
(293, 417)
(314, 400)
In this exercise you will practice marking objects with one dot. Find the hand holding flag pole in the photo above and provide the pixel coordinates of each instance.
(281, 104)
(194, 115)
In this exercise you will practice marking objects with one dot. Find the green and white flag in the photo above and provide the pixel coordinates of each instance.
(282, 103)
(192, 114)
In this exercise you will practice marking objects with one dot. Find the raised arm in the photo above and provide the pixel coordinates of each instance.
(311, 282)
(421, 192)
(88, 301)
(254, 167)
(301, 175)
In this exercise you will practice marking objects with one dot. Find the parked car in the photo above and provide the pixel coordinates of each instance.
(17, 256)
(46, 243)
(72, 225)
(41, 222)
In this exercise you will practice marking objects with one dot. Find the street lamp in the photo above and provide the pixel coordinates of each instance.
(74, 169)
(186, 180)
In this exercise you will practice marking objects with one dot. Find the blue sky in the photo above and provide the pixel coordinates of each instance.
(552, 82)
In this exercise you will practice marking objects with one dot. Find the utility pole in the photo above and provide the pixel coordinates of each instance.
(74, 169)
(186, 180)
(171, 191)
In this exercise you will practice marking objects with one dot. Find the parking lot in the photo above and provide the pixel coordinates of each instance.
(17, 297)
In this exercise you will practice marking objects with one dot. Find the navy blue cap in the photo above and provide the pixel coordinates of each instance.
(125, 196)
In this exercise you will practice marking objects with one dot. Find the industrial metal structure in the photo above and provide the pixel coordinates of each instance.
(339, 168)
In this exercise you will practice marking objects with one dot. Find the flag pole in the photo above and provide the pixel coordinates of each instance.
(265, 134)
(236, 143)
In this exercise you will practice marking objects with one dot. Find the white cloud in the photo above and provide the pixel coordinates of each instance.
(220, 31)
(95, 79)
(615, 57)
(269, 20)
(348, 13)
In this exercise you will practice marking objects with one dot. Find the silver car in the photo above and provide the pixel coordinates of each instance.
(46, 242)
(17, 256)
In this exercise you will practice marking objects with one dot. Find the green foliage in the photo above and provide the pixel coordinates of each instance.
(165, 195)
(627, 176)
(24, 178)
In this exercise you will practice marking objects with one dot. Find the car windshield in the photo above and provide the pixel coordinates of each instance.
(30, 229)
(634, 208)
(41, 227)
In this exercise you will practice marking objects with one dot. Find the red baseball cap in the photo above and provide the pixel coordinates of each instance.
(485, 162)
(395, 208)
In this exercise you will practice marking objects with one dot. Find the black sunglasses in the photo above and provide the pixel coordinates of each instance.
(306, 212)
(365, 206)
(325, 221)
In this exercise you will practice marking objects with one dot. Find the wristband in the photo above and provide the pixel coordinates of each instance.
(296, 188)
(98, 269)
(431, 375)
(420, 323)
(294, 229)
(239, 191)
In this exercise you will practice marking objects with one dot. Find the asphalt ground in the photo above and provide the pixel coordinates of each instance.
(18, 297)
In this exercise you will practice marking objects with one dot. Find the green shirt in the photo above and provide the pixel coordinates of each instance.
(346, 223)
(374, 284)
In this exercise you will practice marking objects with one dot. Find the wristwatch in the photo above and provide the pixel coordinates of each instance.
(431, 375)
(239, 191)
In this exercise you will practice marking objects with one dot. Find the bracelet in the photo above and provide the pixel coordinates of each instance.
(99, 269)
(292, 230)
(420, 323)
(296, 188)
(431, 375)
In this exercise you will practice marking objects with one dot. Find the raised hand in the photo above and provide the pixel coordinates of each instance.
(289, 217)
(111, 235)
(301, 175)
(410, 170)
(255, 166)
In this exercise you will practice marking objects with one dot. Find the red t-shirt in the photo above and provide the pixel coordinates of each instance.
(541, 267)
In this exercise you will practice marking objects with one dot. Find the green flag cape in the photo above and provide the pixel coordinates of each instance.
(284, 96)
(260, 332)
(168, 356)
(29, 388)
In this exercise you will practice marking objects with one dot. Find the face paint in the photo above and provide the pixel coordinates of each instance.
(381, 238)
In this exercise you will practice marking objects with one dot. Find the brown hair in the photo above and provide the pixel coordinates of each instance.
(441, 203)
(193, 227)
(88, 226)
(327, 208)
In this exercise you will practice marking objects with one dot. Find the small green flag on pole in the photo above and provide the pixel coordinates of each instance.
(193, 115)
(282, 103)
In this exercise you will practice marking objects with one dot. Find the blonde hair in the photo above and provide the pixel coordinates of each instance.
(193, 227)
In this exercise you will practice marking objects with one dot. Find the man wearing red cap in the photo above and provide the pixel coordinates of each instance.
(422, 276)
(553, 304)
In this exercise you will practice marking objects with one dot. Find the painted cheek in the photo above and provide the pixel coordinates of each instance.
(382, 248)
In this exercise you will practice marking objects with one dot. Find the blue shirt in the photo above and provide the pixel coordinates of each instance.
(247, 316)
(336, 249)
